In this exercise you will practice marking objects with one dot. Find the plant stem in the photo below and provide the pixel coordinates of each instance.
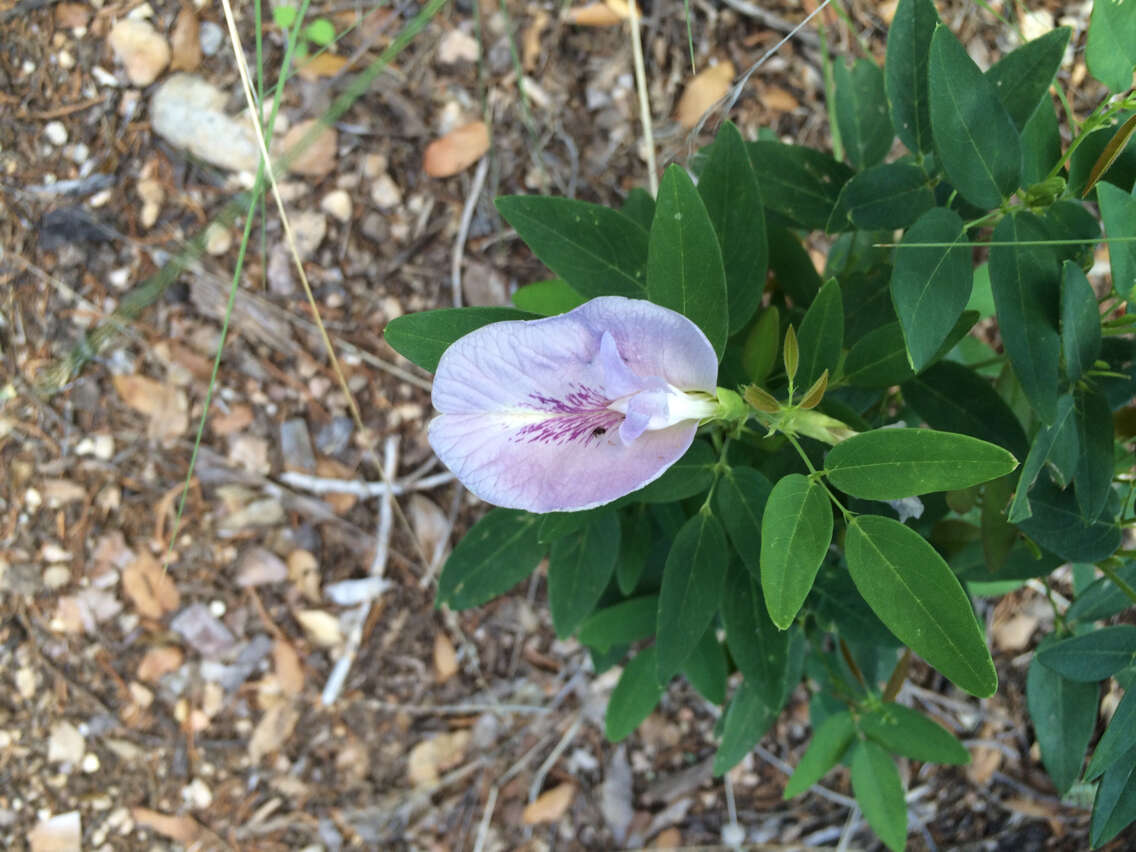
(1118, 581)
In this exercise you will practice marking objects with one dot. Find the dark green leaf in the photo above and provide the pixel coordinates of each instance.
(800, 183)
(892, 195)
(1117, 738)
(1115, 805)
(1118, 211)
(879, 793)
(1080, 322)
(747, 719)
(930, 286)
(880, 358)
(888, 464)
(688, 476)
(634, 697)
(867, 304)
(998, 535)
(1022, 563)
(975, 138)
(830, 740)
(1092, 656)
(547, 298)
(1082, 163)
(792, 267)
(1112, 152)
(728, 187)
(579, 568)
(1041, 143)
(838, 607)
(914, 592)
(423, 337)
(796, 530)
(1058, 525)
(862, 113)
(597, 250)
(692, 589)
(759, 649)
(1026, 281)
(954, 398)
(639, 208)
(1111, 51)
(1093, 477)
(684, 262)
(1022, 77)
(1048, 440)
(705, 668)
(498, 552)
(634, 545)
(902, 730)
(622, 624)
(556, 525)
(905, 70)
(821, 335)
(1103, 598)
(762, 344)
(739, 501)
(1064, 714)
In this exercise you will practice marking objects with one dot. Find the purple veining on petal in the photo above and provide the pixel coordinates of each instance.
(582, 415)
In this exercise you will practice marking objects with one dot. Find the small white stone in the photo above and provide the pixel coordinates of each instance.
(78, 153)
(26, 683)
(65, 744)
(197, 795)
(56, 576)
(385, 192)
(217, 607)
(733, 835)
(119, 278)
(33, 499)
(309, 227)
(90, 763)
(66, 60)
(457, 46)
(218, 239)
(211, 36)
(56, 133)
(337, 204)
(100, 199)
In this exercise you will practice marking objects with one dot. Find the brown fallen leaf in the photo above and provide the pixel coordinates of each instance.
(456, 151)
(321, 65)
(429, 758)
(778, 100)
(530, 41)
(233, 420)
(273, 730)
(159, 661)
(185, 43)
(668, 838)
(703, 91)
(550, 805)
(984, 759)
(445, 658)
(318, 157)
(593, 15)
(180, 829)
(289, 670)
(150, 589)
(69, 16)
(165, 406)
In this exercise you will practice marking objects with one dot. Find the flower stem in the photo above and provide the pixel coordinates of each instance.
(817, 476)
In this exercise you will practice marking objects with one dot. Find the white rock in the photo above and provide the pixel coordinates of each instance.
(188, 112)
(65, 744)
(56, 576)
(141, 49)
(337, 204)
(457, 46)
(152, 195)
(211, 36)
(218, 239)
(56, 133)
(61, 833)
(309, 227)
(78, 153)
(385, 193)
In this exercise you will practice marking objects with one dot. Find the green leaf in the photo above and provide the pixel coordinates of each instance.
(892, 195)
(1111, 51)
(1058, 525)
(739, 501)
(1093, 477)
(862, 113)
(1083, 162)
(830, 740)
(792, 268)
(975, 138)
(639, 208)
(1026, 281)
(692, 588)
(597, 250)
(838, 607)
(821, 335)
(902, 730)
(762, 345)
(684, 263)
(498, 552)
(1064, 714)
(905, 72)
(1041, 143)
(998, 535)
(556, 525)
(796, 530)
(879, 793)
(759, 649)
(747, 719)
(634, 696)
(888, 464)
(706, 668)
(1103, 598)
(1115, 805)
(1080, 322)
(1047, 440)
(320, 32)
(1022, 77)
(284, 16)
(579, 568)
(800, 183)
(880, 359)
(547, 298)
(634, 545)
(930, 286)
(690, 475)
(1118, 212)
(622, 624)
(867, 304)
(1117, 737)
(423, 337)
(954, 398)
(913, 591)
(729, 188)
(1092, 656)
(1112, 152)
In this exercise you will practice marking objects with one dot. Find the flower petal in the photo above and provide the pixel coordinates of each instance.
(525, 418)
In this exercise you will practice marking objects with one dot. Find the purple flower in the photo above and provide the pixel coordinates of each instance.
(572, 411)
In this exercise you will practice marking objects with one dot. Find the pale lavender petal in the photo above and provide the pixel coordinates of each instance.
(525, 408)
